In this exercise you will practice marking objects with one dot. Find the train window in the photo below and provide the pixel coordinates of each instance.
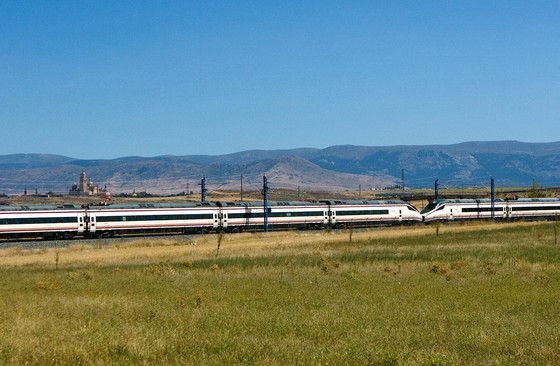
(535, 208)
(480, 209)
(429, 208)
(37, 220)
(363, 212)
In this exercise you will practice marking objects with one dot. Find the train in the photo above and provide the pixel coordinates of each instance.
(69, 221)
(501, 209)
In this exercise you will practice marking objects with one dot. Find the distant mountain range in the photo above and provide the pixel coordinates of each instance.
(510, 163)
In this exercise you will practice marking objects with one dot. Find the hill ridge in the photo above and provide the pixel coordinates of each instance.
(340, 167)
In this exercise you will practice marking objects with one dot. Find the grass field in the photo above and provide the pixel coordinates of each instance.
(471, 294)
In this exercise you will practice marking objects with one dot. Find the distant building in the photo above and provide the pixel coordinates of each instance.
(86, 188)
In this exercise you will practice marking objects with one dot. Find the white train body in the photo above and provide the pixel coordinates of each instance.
(242, 216)
(151, 217)
(64, 221)
(465, 209)
(366, 213)
(68, 221)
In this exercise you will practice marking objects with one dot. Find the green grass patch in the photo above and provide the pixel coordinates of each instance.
(470, 297)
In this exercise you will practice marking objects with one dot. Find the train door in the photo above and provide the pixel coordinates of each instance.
(247, 214)
(332, 217)
(451, 213)
(216, 215)
(508, 211)
(327, 215)
(224, 219)
(91, 223)
(400, 214)
(81, 223)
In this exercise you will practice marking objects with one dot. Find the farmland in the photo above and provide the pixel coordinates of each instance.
(477, 293)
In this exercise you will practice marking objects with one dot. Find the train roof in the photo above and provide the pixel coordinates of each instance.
(40, 207)
(465, 200)
(306, 203)
(366, 202)
(270, 203)
(129, 206)
(488, 200)
(171, 205)
(551, 199)
(132, 206)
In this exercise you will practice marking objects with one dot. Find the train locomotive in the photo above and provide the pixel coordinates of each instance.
(468, 209)
(70, 221)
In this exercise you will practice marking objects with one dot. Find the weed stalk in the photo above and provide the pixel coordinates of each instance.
(56, 258)
(220, 239)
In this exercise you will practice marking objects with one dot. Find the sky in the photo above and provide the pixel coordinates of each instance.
(108, 79)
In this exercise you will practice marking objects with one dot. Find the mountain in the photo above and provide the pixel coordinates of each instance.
(346, 167)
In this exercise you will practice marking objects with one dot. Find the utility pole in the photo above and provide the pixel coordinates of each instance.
(203, 189)
(265, 194)
(241, 187)
(402, 178)
(492, 196)
(436, 189)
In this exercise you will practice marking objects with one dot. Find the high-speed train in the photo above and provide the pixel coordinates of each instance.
(69, 221)
(464, 209)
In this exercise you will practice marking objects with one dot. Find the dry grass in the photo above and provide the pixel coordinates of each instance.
(148, 250)
(480, 293)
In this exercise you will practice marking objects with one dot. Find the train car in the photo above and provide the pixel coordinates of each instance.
(120, 219)
(531, 208)
(371, 212)
(44, 221)
(461, 209)
(465, 209)
(243, 216)
(68, 221)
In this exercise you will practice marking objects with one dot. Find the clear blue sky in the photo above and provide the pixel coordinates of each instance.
(106, 79)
